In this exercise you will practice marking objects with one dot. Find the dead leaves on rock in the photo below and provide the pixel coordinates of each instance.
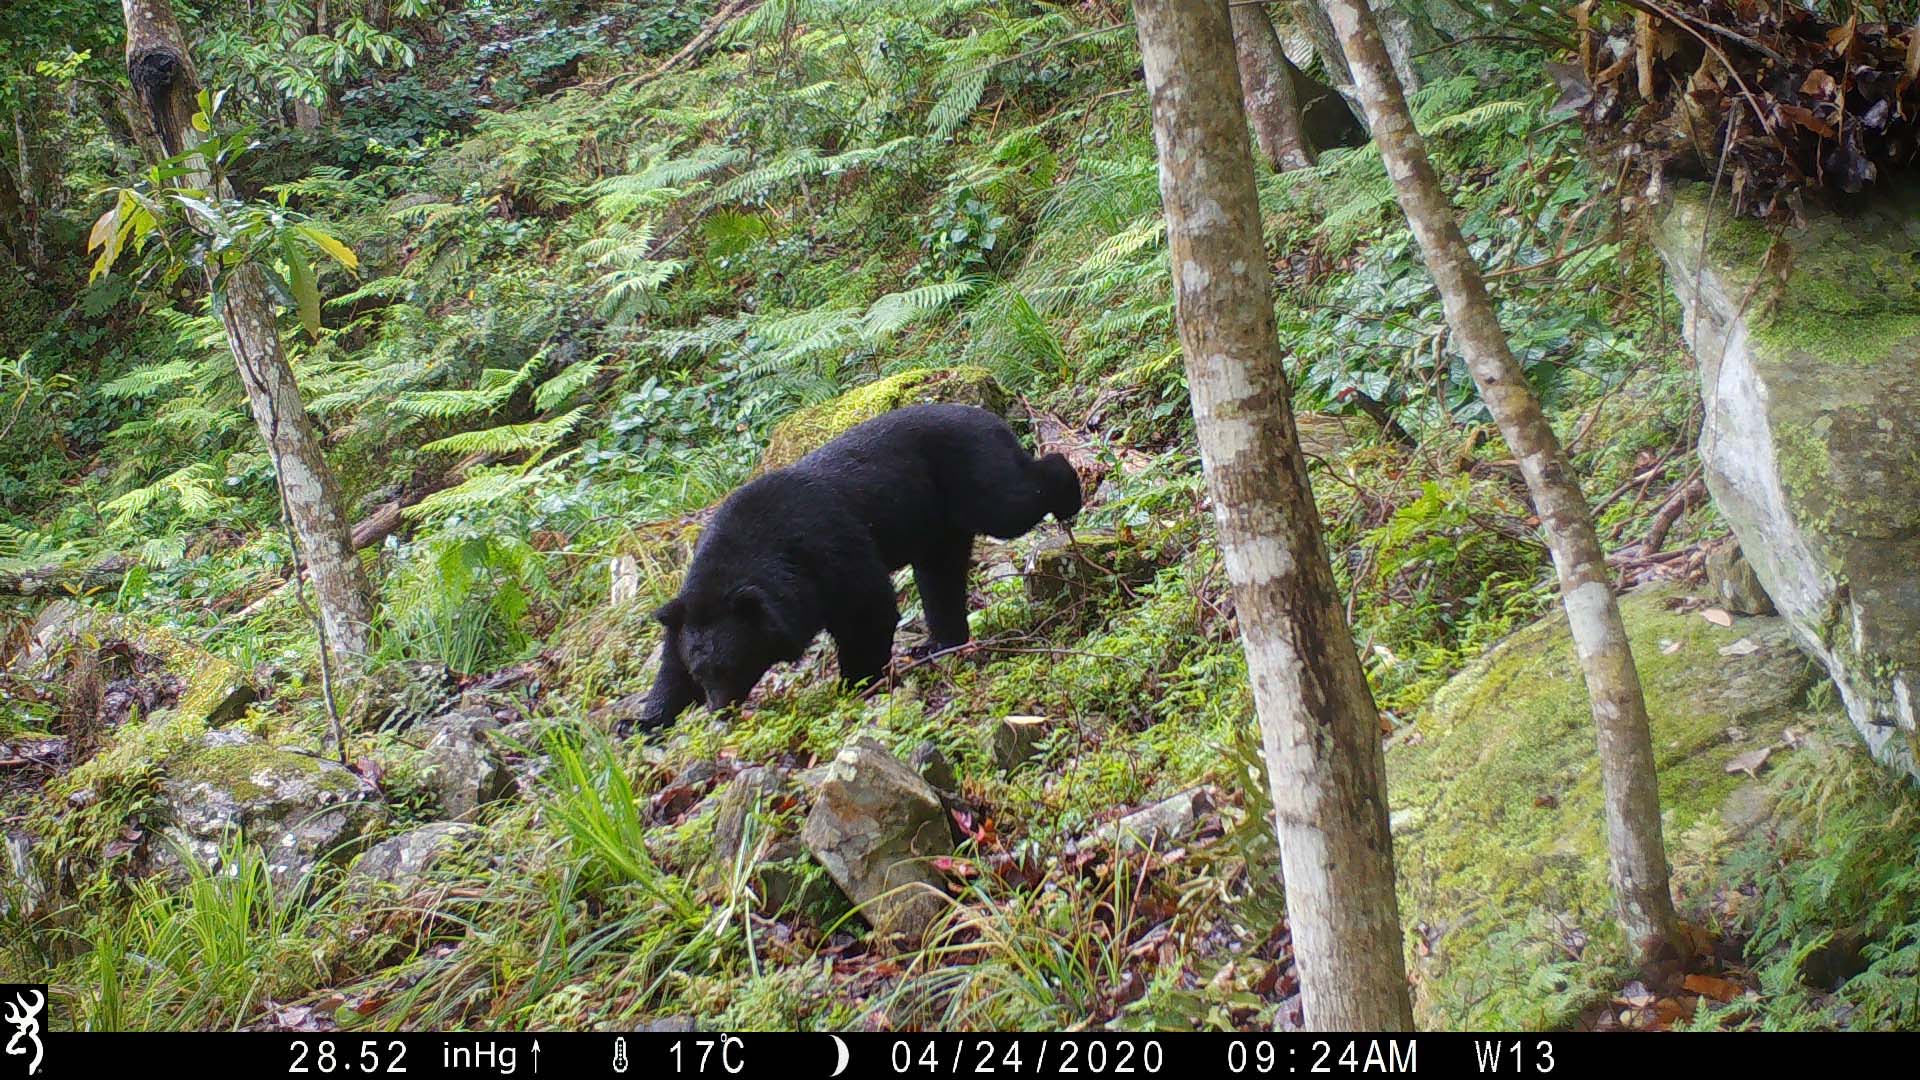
(1772, 100)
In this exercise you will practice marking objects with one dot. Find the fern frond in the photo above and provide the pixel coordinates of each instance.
(510, 438)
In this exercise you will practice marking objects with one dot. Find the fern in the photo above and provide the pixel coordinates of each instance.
(535, 437)
(895, 311)
(572, 379)
(486, 487)
(25, 549)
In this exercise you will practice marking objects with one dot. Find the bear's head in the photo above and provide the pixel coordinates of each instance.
(726, 642)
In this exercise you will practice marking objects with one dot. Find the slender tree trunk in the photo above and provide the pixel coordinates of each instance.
(1266, 87)
(1639, 862)
(307, 116)
(164, 82)
(1318, 723)
(30, 202)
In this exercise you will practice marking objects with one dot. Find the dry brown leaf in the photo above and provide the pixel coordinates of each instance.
(1720, 990)
(1717, 616)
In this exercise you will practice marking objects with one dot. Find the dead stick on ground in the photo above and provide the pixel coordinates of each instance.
(1690, 491)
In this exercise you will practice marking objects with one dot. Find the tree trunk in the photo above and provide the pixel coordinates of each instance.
(1266, 87)
(1639, 862)
(1318, 723)
(32, 229)
(307, 116)
(164, 82)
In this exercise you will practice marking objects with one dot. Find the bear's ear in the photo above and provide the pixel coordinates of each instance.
(749, 602)
(672, 614)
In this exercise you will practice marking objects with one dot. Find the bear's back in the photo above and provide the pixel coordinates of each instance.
(914, 430)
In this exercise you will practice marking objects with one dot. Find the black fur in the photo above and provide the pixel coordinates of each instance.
(812, 547)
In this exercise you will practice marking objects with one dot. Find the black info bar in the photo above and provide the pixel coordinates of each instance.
(792, 1056)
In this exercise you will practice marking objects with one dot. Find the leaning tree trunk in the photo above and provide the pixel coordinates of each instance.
(164, 82)
(1266, 87)
(1639, 862)
(1318, 723)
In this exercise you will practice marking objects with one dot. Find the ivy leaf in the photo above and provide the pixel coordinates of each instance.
(306, 290)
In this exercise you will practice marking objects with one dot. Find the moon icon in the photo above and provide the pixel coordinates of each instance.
(840, 1045)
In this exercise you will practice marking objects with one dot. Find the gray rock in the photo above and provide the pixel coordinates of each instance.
(933, 767)
(402, 862)
(1731, 578)
(398, 696)
(462, 768)
(1811, 447)
(750, 794)
(298, 809)
(1013, 740)
(1159, 826)
(874, 826)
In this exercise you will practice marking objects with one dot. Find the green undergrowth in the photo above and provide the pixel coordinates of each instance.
(583, 316)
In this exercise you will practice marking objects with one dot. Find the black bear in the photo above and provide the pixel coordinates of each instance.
(813, 547)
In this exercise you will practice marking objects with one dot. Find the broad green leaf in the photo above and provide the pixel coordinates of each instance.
(306, 290)
(341, 253)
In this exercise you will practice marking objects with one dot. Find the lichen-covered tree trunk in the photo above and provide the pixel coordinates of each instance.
(1639, 861)
(1266, 87)
(1318, 723)
(164, 82)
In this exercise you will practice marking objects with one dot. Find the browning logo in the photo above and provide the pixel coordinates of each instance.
(24, 1005)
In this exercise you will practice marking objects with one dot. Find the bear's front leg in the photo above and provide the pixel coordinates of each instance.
(674, 689)
(862, 628)
(941, 575)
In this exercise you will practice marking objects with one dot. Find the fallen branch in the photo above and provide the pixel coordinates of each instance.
(1690, 491)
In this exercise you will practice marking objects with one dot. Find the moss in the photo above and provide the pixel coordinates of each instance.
(1502, 857)
(1852, 292)
(233, 769)
(807, 429)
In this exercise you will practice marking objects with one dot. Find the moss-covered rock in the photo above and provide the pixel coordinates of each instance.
(1496, 793)
(300, 810)
(1075, 576)
(808, 429)
(1809, 358)
(210, 690)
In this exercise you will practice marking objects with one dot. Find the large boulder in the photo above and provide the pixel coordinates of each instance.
(1499, 842)
(810, 428)
(298, 809)
(1809, 362)
(875, 826)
